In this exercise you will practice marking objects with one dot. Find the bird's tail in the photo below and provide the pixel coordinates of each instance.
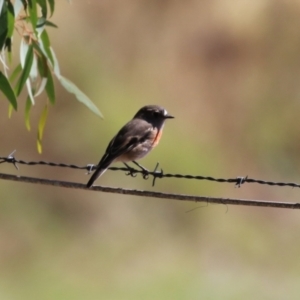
(96, 174)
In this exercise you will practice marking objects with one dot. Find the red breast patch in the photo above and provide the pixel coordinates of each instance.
(157, 138)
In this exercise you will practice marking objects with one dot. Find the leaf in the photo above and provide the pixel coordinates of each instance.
(42, 65)
(8, 91)
(41, 87)
(23, 50)
(8, 47)
(43, 70)
(81, 97)
(26, 68)
(10, 19)
(50, 24)
(3, 62)
(45, 39)
(46, 46)
(2, 38)
(10, 110)
(37, 47)
(1, 4)
(41, 127)
(50, 90)
(15, 73)
(32, 10)
(54, 64)
(3, 25)
(29, 90)
(52, 6)
(27, 111)
(33, 74)
(43, 6)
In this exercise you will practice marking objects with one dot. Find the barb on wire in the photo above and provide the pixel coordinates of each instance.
(238, 181)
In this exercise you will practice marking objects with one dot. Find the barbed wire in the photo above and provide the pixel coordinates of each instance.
(169, 196)
(145, 174)
(238, 181)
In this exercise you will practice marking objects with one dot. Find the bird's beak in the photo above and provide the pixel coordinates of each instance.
(169, 117)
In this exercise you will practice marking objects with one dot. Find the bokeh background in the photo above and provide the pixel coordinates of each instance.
(229, 71)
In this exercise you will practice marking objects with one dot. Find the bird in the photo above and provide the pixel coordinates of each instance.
(134, 140)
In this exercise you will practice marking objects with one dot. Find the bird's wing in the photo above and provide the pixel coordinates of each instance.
(126, 139)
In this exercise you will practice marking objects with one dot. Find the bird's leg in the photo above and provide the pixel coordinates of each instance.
(145, 171)
(131, 171)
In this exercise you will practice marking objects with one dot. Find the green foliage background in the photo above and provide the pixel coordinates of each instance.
(229, 72)
(28, 20)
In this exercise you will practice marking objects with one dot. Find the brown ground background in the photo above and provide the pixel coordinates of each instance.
(229, 72)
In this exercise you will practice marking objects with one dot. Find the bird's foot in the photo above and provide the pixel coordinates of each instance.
(145, 172)
(131, 171)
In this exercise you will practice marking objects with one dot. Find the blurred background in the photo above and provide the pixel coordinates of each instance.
(229, 72)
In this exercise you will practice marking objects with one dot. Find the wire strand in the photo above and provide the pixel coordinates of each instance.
(156, 174)
(199, 199)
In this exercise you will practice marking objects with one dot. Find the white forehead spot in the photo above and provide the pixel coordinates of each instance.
(165, 112)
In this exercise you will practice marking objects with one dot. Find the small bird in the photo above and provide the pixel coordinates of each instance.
(135, 139)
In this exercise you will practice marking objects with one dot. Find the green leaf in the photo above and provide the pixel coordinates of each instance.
(43, 5)
(26, 69)
(45, 73)
(41, 127)
(8, 91)
(45, 39)
(3, 25)
(37, 48)
(52, 6)
(81, 97)
(10, 110)
(8, 47)
(15, 73)
(27, 111)
(10, 19)
(32, 11)
(2, 38)
(41, 88)
(51, 24)
(1, 5)
(30, 91)
(54, 64)
(42, 65)
(50, 90)
(33, 74)
(46, 45)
